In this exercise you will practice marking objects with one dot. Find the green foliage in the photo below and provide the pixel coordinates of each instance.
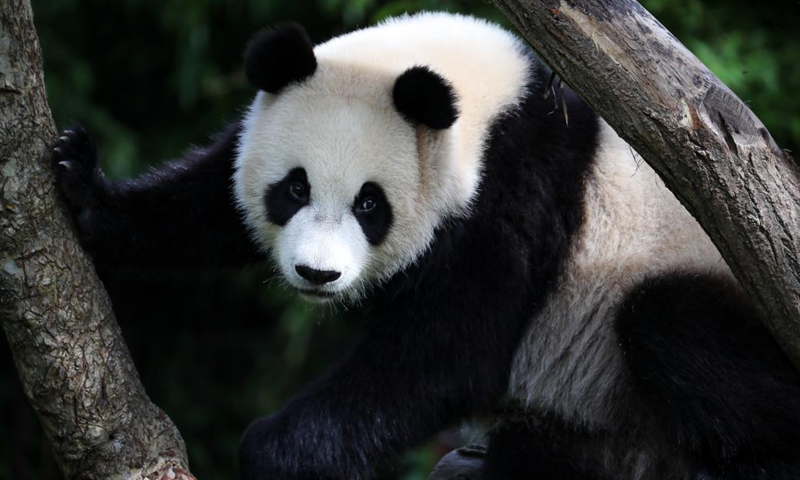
(151, 77)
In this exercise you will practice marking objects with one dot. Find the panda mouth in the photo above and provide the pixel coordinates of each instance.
(318, 294)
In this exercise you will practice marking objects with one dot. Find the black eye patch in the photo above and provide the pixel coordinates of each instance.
(286, 197)
(373, 212)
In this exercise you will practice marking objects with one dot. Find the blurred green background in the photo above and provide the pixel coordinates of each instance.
(218, 349)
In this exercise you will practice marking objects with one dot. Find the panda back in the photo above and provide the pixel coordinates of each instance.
(634, 229)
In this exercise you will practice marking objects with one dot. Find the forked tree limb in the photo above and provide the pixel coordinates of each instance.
(67, 347)
(705, 143)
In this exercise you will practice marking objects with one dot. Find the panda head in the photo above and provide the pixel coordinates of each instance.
(344, 169)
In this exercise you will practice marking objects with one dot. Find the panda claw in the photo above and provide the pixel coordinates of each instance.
(74, 160)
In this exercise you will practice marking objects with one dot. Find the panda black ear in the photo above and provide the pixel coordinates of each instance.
(423, 96)
(278, 56)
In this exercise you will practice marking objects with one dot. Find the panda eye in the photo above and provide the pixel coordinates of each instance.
(298, 191)
(366, 205)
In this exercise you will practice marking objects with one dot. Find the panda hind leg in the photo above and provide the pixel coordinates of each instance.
(525, 446)
(762, 468)
(713, 377)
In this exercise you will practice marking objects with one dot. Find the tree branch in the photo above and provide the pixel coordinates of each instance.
(710, 149)
(75, 367)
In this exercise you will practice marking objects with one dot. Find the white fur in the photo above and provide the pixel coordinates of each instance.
(570, 361)
(342, 127)
(323, 242)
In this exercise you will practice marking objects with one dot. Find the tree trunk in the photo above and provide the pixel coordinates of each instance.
(67, 347)
(709, 148)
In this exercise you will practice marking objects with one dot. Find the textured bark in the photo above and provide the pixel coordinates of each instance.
(709, 148)
(75, 367)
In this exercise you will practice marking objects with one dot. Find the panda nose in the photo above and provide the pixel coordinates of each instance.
(317, 277)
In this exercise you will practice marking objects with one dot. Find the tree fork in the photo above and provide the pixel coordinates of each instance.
(704, 142)
(75, 367)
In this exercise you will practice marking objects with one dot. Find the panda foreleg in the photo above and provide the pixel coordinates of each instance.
(387, 396)
(399, 387)
(180, 215)
(438, 348)
(713, 378)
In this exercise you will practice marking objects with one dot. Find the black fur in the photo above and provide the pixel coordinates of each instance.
(441, 335)
(279, 56)
(543, 447)
(181, 215)
(424, 97)
(282, 205)
(376, 222)
(717, 382)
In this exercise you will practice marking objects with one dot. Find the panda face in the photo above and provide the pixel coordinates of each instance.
(332, 187)
(325, 237)
(356, 150)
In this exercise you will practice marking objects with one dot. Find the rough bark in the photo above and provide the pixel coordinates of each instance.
(710, 149)
(75, 367)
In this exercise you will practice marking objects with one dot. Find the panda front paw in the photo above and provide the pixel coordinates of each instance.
(75, 163)
(80, 179)
(280, 448)
(264, 452)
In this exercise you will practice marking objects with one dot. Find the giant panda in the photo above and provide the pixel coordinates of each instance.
(513, 257)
